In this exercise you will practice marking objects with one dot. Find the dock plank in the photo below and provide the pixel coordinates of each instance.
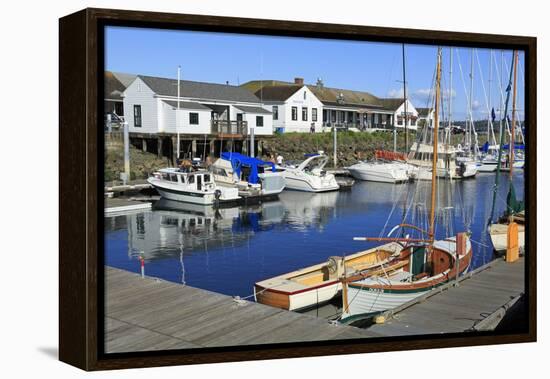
(152, 314)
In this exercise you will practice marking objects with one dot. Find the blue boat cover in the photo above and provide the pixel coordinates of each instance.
(485, 147)
(517, 146)
(238, 161)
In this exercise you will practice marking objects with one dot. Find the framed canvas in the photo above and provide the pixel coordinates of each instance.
(240, 189)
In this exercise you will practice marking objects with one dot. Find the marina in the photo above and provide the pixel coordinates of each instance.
(291, 212)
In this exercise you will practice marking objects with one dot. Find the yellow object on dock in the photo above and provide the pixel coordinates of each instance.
(512, 249)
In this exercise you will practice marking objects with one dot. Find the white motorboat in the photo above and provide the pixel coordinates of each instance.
(251, 176)
(196, 187)
(380, 171)
(310, 176)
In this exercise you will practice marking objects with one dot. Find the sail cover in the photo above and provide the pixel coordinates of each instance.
(238, 161)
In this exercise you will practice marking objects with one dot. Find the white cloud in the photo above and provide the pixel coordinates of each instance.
(420, 95)
(396, 93)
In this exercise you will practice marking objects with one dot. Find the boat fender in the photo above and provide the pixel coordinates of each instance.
(217, 194)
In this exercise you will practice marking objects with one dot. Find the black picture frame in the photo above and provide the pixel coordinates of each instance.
(81, 70)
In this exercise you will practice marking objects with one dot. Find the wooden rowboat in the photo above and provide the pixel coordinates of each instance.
(318, 284)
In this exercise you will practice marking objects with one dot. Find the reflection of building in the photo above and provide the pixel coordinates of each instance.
(175, 227)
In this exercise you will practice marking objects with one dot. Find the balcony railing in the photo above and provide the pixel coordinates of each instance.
(357, 125)
(229, 127)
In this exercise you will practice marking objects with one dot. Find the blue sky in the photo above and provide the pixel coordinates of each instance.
(367, 66)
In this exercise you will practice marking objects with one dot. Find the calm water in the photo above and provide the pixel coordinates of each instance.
(228, 250)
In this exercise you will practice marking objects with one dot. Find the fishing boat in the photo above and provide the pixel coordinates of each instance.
(252, 177)
(386, 167)
(310, 175)
(425, 263)
(196, 187)
(320, 283)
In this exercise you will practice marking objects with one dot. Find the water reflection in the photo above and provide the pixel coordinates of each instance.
(227, 250)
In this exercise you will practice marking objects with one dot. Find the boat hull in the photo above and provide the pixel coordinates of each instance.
(302, 184)
(383, 173)
(299, 300)
(499, 236)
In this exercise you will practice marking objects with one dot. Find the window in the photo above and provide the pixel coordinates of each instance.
(314, 114)
(275, 112)
(137, 116)
(193, 118)
(294, 113)
(259, 120)
(191, 179)
(119, 109)
(304, 113)
(207, 178)
(165, 176)
(174, 178)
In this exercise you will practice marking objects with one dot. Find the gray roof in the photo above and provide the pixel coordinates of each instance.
(199, 90)
(424, 112)
(253, 109)
(186, 105)
(392, 103)
(125, 79)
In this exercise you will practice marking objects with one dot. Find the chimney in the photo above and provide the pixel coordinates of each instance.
(299, 81)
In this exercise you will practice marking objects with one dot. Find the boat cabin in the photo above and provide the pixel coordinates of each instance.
(199, 180)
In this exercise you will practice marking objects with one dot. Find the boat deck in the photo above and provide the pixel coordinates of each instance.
(479, 302)
(151, 314)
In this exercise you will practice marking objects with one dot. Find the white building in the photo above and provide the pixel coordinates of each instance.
(294, 107)
(397, 107)
(425, 116)
(203, 115)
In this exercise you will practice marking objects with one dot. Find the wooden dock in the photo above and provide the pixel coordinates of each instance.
(479, 302)
(123, 205)
(144, 313)
(152, 314)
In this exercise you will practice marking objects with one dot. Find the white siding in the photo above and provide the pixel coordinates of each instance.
(297, 100)
(410, 110)
(184, 126)
(138, 93)
(267, 129)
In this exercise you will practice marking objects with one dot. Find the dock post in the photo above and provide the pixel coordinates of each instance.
(144, 145)
(193, 148)
(159, 147)
(252, 142)
(512, 247)
(175, 149)
(126, 152)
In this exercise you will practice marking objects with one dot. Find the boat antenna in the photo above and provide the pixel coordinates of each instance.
(501, 143)
(435, 147)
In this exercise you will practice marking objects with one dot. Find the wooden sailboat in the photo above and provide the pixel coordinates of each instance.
(425, 263)
(320, 283)
(514, 212)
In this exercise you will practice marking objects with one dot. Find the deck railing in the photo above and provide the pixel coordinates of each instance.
(233, 127)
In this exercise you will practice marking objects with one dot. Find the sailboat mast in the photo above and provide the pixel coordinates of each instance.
(501, 143)
(513, 127)
(489, 116)
(435, 147)
(470, 106)
(405, 100)
(450, 89)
